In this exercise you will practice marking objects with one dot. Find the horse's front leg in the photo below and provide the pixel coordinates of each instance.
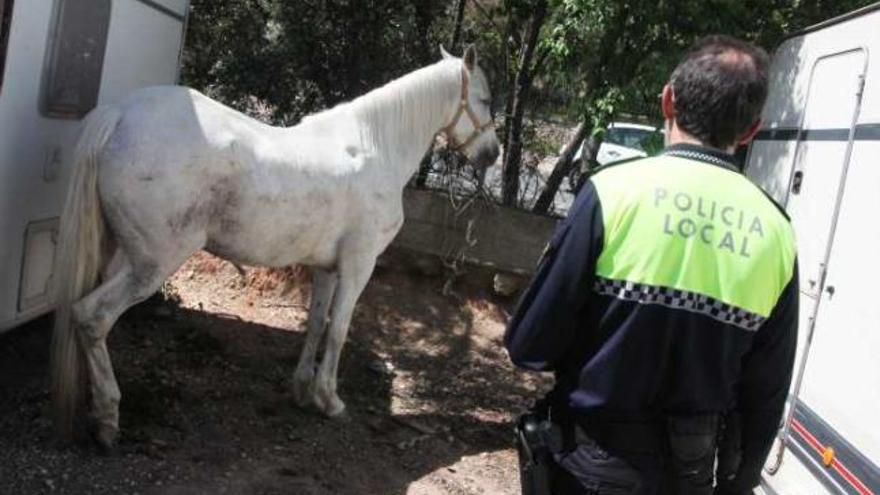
(324, 284)
(354, 272)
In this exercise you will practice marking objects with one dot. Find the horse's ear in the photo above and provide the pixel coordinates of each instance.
(470, 57)
(444, 53)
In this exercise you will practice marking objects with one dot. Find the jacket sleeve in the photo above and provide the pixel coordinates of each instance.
(544, 323)
(766, 377)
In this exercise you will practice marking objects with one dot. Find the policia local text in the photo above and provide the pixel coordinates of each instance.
(696, 216)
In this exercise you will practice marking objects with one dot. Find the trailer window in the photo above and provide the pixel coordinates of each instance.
(5, 22)
(74, 63)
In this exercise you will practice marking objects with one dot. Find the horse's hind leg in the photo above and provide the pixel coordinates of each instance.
(94, 316)
(324, 284)
(354, 273)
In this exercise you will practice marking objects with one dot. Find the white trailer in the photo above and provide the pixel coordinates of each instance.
(819, 155)
(58, 59)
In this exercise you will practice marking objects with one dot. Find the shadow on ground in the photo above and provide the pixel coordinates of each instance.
(207, 406)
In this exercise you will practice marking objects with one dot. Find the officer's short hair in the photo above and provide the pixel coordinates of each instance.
(719, 87)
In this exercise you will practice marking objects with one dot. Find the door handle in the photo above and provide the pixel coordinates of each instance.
(830, 290)
(796, 182)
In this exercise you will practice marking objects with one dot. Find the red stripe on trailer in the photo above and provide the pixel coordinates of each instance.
(806, 435)
(837, 465)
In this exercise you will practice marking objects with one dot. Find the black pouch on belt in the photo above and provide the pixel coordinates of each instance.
(599, 471)
(692, 443)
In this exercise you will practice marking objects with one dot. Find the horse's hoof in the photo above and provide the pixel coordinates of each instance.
(335, 409)
(105, 438)
(342, 416)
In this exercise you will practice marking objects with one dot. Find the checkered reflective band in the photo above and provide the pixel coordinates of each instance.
(679, 299)
(696, 155)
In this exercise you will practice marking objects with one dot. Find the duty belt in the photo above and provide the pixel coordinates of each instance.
(633, 437)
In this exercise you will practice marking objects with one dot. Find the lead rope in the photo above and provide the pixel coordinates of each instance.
(457, 209)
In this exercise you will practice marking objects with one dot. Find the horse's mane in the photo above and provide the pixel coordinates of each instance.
(403, 106)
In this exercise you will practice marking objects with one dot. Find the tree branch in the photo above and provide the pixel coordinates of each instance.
(482, 10)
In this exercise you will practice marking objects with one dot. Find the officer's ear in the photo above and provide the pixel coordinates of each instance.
(667, 103)
(750, 133)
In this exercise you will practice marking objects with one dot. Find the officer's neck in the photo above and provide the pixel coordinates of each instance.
(674, 135)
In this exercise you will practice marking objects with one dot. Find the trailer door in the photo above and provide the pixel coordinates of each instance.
(827, 401)
(822, 152)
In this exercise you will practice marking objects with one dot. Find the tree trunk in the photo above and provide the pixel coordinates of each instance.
(509, 54)
(588, 159)
(560, 170)
(514, 124)
(459, 20)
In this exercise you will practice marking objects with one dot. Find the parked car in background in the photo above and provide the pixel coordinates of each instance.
(625, 140)
(622, 140)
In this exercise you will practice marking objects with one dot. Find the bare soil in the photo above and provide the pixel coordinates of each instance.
(207, 405)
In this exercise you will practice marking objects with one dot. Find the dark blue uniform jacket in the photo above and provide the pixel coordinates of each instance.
(626, 359)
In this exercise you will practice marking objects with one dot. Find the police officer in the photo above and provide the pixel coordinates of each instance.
(666, 304)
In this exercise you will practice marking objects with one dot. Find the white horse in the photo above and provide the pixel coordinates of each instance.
(168, 171)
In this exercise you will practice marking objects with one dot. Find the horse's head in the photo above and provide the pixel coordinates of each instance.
(472, 129)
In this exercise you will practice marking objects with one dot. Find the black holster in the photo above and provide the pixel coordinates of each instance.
(537, 438)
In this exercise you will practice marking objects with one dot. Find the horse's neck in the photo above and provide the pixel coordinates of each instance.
(400, 119)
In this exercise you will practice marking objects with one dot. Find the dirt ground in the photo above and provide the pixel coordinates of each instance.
(207, 408)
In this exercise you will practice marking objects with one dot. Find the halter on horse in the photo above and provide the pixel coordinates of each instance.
(464, 108)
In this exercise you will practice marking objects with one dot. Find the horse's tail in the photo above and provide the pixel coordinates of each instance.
(78, 261)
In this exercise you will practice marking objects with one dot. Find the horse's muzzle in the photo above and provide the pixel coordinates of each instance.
(486, 157)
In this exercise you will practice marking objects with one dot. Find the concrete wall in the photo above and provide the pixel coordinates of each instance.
(506, 239)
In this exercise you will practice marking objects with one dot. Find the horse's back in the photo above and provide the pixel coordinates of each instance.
(178, 112)
(180, 163)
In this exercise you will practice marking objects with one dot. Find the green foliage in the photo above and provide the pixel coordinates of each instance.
(615, 56)
(596, 59)
(282, 60)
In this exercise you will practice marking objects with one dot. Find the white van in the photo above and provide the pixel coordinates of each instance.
(819, 155)
(58, 59)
